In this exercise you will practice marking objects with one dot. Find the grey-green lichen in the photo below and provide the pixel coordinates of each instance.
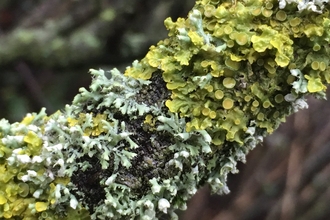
(104, 156)
(138, 145)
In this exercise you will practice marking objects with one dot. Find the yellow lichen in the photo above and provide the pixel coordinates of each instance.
(266, 104)
(218, 94)
(212, 114)
(241, 54)
(315, 65)
(3, 199)
(232, 64)
(41, 206)
(279, 98)
(255, 103)
(229, 82)
(241, 38)
(28, 119)
(295, 21)
(34, 142)
(206, 111)
(266, 12)
(227, 103)
(281, 15)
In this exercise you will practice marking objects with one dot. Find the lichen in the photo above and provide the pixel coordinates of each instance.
(138, 145)
(243, 54)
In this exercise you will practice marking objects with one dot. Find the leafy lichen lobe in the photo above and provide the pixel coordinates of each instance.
(229, 60)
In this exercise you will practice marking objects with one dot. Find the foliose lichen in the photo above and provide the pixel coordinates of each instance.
(138, 145)
(229, 63)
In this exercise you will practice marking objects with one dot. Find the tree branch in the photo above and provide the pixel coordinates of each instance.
(139, 145)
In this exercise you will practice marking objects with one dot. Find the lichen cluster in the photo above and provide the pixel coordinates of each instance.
(232, 65)
(108, 156)
(139, 145)
(32, 182)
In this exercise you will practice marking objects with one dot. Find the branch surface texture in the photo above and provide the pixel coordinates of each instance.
(139, 144)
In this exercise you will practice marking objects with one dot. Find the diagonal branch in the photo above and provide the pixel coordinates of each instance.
(138, 145)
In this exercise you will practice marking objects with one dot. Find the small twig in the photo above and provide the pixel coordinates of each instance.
(293, 173)
(33, 85)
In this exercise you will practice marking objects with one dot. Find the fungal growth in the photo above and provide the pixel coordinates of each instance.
(139, 144)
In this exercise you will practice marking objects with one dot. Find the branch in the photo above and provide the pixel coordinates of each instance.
(139, 145)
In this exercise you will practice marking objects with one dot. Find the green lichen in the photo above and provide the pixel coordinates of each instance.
(139, 145)
(248, 51)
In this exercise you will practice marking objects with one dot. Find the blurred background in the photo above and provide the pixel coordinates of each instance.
(47, 47)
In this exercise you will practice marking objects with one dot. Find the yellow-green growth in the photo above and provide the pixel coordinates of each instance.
(238, 55)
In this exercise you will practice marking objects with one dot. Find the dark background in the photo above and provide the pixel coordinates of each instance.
(47, 47)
